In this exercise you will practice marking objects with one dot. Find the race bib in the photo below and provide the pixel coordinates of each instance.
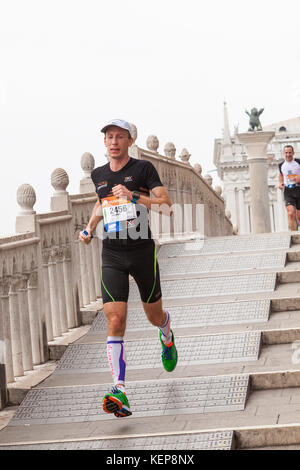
(291, 180)
(116, 213)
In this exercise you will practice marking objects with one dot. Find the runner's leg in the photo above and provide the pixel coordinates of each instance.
(116, 313)
(291, 217)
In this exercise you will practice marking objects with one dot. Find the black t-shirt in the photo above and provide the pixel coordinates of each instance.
(136, 175)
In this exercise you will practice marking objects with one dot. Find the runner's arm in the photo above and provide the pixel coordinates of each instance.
(161, 201)
(95, 218)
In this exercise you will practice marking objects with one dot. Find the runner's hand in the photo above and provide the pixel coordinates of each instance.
(120, 191)
(86, 239)
(281, 186)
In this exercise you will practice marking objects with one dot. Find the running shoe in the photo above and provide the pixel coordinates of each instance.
(116, 402)
(169, 354)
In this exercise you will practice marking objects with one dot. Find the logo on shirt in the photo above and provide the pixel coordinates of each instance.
(127, 179)
(101, 185)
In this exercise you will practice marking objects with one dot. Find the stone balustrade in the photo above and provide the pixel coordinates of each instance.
(47, 275)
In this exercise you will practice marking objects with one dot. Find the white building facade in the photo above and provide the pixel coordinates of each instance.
(230, 158)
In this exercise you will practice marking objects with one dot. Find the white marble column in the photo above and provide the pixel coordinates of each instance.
(282, 213)
(90, 272)
(34, 317)
(231, 205)
(7, 330)
(55, 313)
(256, 148)
(84, 275)
(61, 290)
(16, 344)
(25, 324)
(46, 295)
(242, 212)
(67, 271)
(96, 266)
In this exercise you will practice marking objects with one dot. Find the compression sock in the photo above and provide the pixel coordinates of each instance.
(165, 329)
(117, 360)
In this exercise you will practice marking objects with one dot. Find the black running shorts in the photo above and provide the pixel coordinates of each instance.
(139, 262)
(292, 197)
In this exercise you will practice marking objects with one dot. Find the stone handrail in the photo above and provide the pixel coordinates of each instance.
(47, 275)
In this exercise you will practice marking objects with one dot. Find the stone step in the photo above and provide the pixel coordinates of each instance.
(263, 356)
(213, 286)
(226, 263)
(269, 417)
(230, 244)
(184, 441)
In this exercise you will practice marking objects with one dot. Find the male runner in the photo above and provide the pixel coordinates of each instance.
(289, 180)
(123, 186)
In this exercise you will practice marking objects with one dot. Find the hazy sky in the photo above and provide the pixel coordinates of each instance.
(67, 67)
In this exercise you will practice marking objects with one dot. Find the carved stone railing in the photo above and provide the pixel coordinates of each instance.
(47, 275)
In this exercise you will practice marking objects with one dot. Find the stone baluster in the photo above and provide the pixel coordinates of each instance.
(152, 143)
(170, 150)
(55, 313)
(96, 259)
(4, 286)
(16, 343)
(133, 150)
(87, 164)
(90, 272)
(60, 198)
(26, 198)
(84, 275)
(25, 324)
(78, 281)
(61, 289)
(46, 294)
(76, 256)
(34, 316)
(67, 272)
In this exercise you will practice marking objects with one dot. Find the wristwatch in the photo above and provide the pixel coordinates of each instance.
(135, 196)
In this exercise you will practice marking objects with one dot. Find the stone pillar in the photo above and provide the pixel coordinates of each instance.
(256, 148)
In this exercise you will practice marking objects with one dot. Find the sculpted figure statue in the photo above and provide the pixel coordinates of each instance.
(254, 119)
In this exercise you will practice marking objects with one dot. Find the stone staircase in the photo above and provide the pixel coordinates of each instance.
(235, 310)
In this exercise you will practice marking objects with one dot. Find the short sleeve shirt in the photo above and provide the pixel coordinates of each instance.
(136, 175)
(289, 171)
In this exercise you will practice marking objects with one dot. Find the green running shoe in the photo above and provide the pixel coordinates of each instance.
(116, 402)
(169, 354)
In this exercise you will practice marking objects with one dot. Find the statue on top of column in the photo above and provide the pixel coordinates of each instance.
(254, 122)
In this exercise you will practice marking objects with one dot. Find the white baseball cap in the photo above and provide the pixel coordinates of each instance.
(119, 123)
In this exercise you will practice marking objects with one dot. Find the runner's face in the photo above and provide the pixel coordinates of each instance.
(288, 154)
(117, 142)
